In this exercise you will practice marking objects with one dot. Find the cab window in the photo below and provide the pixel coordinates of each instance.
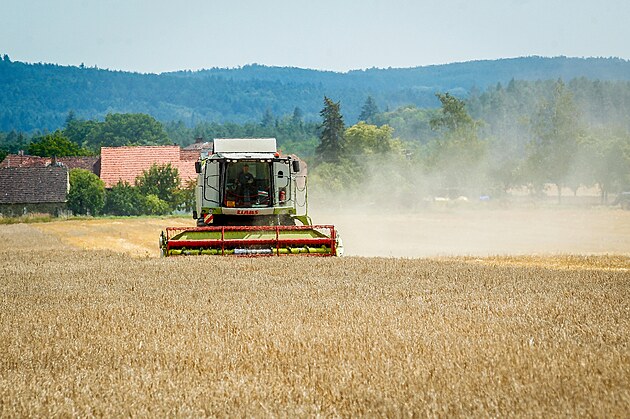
(248, 184)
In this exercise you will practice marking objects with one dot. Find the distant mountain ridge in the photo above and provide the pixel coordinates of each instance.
(479, 73)
(39, 96)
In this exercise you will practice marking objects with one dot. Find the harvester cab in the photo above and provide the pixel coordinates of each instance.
(250, 200)
(247, 182)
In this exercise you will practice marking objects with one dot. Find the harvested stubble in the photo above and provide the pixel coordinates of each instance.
(97, 333)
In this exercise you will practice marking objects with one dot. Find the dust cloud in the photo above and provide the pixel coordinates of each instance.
(400, 207)
(436, 232)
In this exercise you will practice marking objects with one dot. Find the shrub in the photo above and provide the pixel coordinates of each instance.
(155, 206)
(87, 193)
(124, 199)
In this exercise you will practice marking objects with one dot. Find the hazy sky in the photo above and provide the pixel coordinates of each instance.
(161, 35)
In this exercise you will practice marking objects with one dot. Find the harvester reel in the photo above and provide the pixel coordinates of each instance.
(316, 240)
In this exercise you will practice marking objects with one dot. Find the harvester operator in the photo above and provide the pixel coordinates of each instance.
(245, 187)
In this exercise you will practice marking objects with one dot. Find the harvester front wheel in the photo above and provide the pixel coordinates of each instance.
(285, 220)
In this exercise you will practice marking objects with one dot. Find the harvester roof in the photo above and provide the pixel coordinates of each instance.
(244, 145)
(246, 156)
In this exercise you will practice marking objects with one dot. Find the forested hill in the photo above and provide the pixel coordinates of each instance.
(39, 96)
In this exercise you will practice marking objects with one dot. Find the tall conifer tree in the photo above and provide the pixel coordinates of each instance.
(369, 110)
(331, 146)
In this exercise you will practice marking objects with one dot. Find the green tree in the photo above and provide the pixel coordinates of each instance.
(608, 161)
(78, 131)
(55, 144)
(268, 119)
(505, 165)
(409, 123)
(297, 117)
(14, 141)
(87, 192)
(179, 133)
(457, 153)
(331, 147)
(362, 139)
(156, 206)
(186, 195)
(369, 110)
(162, 181)
(454, 117)
(124, 199)
(557, 134)
(127, 129)
(330, 179)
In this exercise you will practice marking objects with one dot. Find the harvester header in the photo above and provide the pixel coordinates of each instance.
(250, 200)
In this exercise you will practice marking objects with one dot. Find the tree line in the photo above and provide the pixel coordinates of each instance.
(552, 142)
(526, 134)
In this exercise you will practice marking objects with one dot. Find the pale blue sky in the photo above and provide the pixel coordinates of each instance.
(160, 35)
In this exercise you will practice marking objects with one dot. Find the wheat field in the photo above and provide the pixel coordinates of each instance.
(87, 332)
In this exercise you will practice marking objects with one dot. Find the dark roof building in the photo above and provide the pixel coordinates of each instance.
(200, 145)
(91, 163)
(33, 189)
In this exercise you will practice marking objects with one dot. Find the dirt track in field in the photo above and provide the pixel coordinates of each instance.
(133, 236)
(436, 233)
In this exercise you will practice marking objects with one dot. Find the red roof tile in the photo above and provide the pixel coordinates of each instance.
(127, 163)
(187, 171)
(189, 154)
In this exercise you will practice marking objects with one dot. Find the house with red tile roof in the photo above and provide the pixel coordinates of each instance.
(127, 163)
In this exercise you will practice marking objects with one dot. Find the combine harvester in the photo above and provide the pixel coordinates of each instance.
(250, 201)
